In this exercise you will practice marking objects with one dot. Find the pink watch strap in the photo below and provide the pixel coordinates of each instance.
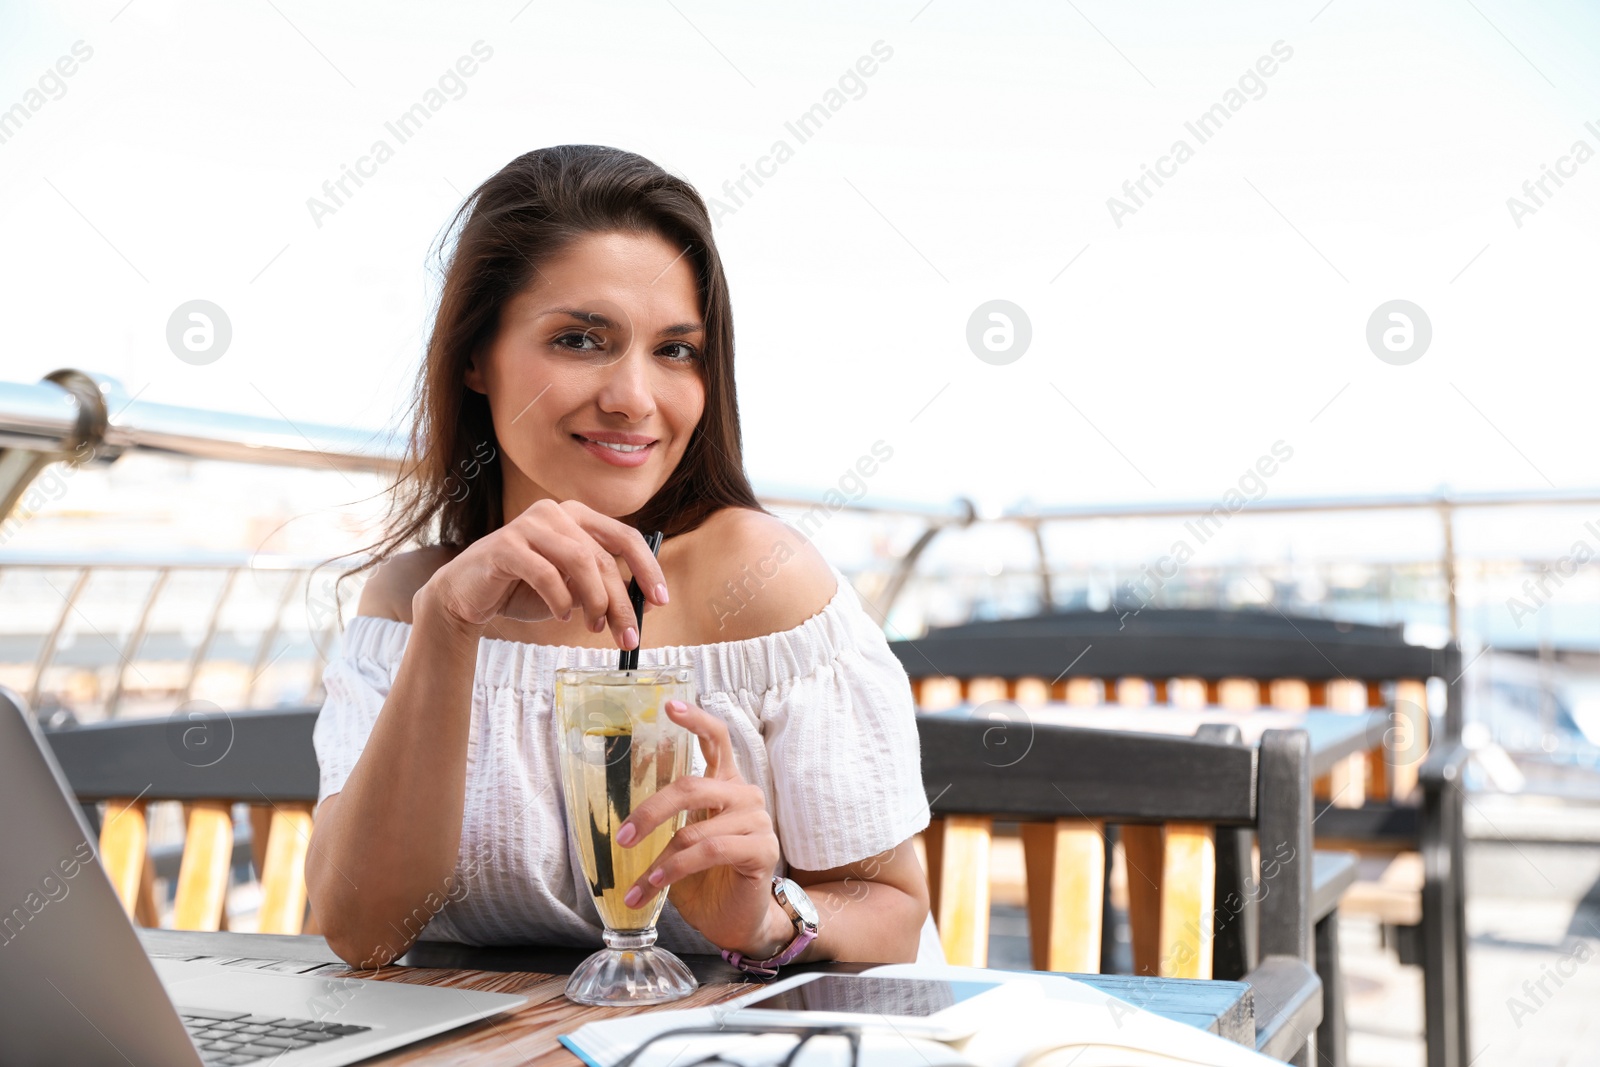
(768, 968)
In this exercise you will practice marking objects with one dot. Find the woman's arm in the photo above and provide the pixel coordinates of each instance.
(384, 848)
(869, 911)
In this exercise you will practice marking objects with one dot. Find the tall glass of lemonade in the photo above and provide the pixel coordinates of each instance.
(618, 748)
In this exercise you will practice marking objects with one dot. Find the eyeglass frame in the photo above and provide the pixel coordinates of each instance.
(851, 1034)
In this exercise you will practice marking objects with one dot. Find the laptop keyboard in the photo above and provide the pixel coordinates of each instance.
(230, 1037)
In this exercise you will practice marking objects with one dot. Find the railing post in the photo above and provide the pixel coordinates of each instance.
(1444, 963)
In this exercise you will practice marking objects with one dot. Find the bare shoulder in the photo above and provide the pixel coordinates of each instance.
(759, 575)
(388, 592)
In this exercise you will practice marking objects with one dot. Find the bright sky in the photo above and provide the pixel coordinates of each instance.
(1228, 311)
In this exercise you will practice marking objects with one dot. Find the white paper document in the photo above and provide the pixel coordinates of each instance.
(1080, 1026)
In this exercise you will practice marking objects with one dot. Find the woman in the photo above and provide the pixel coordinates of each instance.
(578, 388)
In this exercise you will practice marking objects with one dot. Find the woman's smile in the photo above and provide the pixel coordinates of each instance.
(618, 454)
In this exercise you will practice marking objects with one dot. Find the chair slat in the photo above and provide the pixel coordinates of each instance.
(145, 912)
(1085, 692)
(1239, 694)
(1380, 784)
(283, 881)
(1031, 692)
(1188, 692)
(1142, 854)
(962, 870)
(1066, 893)
(1133, 692)
(1408, 740)
(981, 690)
(1188, 900)
(260, 830)
(1347, 781)
(203, 876)
(937, 694)
(1289, 694)
(124, 840)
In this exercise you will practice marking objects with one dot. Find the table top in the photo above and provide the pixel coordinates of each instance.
(1334, 735)
(529, 1036)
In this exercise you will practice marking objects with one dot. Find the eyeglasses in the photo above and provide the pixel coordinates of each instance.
(804, 1035)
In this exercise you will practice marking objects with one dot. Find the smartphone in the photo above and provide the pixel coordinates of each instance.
(925, 1007)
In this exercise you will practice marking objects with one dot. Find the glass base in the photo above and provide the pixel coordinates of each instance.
(630, 970)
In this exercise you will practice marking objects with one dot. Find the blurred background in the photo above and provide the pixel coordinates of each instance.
(1074, 275)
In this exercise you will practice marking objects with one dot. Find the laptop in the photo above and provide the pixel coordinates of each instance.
(76, 985)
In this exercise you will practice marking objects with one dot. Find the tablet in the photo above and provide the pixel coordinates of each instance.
(925, 1007)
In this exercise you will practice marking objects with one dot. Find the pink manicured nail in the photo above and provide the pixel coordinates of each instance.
(626, 834)
(635, 895)
(661, 593)
(657, 876)
(676, 707)
(630, 638)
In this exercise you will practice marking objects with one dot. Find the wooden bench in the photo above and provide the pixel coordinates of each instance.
(263, 759)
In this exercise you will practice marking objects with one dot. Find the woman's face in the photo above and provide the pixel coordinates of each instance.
(606, 344)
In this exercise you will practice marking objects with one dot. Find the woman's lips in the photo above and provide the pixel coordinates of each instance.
(615, 458)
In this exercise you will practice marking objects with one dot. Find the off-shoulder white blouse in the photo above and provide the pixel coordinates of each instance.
(821, 717)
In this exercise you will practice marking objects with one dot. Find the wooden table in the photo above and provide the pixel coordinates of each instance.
(529, 1035)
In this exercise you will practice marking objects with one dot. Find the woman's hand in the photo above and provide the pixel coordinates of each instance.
(720, 865)
(554, 558)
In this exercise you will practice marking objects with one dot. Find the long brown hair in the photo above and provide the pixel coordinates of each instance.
(447, 493)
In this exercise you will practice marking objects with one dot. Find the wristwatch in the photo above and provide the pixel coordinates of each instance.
(795, 904)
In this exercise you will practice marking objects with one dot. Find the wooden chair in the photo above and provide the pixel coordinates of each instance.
(1208, 797)
(1234, 659)
(1240, 660)
(264, 759)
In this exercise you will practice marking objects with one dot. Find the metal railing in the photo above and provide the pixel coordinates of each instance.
(141, 643)
(77, 416)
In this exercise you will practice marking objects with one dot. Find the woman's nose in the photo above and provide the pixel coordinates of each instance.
(626, 387)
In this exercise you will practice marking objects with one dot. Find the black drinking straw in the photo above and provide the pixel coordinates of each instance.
(629, 661)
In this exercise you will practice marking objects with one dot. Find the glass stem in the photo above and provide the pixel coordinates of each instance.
(630, 939)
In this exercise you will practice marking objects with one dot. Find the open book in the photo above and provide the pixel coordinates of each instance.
(1080, 1026)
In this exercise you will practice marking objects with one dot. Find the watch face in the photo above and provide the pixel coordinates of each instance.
(798, 899)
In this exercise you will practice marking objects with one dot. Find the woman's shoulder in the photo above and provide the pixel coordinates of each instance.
(747, 572)
(388, 592)
(757, 575)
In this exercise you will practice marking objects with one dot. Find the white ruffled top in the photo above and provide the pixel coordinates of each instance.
(821, 717)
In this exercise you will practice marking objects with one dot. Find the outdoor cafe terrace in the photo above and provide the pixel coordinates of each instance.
(1290, 823)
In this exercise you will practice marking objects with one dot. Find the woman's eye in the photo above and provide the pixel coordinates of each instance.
(584, 341)
(685, 353)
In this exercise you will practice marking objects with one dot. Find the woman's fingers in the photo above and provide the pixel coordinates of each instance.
(620, 539)
(713, 795)
(547, 530)
(715, 741)
(619, 612)
(541, 578)
(737, 839)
